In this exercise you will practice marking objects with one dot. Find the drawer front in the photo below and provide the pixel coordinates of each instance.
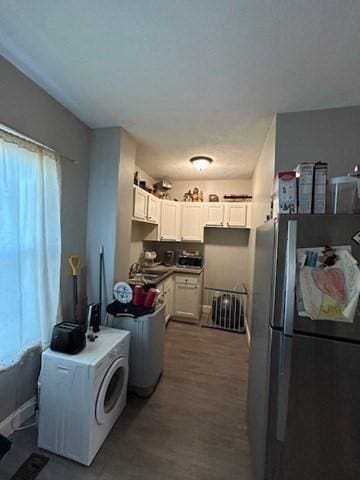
(187, 279)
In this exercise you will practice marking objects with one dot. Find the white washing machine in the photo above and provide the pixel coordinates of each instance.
(81, 396)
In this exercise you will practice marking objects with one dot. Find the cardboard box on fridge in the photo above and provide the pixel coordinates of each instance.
(285, 193)
(305, 180)
(320, 185)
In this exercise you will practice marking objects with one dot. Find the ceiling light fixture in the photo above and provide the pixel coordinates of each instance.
(201, 163)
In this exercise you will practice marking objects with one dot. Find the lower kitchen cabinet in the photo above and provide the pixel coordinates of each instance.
(167, 293)
(169, 298)
(187, 301)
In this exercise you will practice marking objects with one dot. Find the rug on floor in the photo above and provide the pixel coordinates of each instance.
(31, 468)
(5, 445)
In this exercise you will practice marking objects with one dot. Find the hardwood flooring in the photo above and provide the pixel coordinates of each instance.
(192, 428)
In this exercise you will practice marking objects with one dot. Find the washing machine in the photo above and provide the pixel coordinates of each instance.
(81, 396)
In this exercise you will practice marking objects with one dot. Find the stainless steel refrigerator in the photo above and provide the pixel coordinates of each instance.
(304, 375)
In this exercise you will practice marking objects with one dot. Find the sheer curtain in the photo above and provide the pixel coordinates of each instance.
(30, 246)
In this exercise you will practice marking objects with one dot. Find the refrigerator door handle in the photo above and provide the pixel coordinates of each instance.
(288, 322)
(290, 278)
(283, 386)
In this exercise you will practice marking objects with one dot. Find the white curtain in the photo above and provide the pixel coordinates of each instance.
(30, 246)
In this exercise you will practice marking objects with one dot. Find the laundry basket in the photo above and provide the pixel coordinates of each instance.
(224, 309)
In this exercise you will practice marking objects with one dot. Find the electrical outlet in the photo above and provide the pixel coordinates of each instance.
(356, 238)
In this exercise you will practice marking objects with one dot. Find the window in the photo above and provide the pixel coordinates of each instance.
(30, 246)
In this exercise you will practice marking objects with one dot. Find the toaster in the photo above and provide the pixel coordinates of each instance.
(68, 338)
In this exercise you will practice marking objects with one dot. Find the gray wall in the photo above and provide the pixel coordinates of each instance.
(262, 190)
(112, 163)
(226, 254)
(330, 135)
(124, 206)
(27, 108)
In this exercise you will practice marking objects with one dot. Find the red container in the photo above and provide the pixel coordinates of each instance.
(137, 296)
(150, 297)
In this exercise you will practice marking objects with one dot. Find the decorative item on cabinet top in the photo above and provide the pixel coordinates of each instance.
(193, 196)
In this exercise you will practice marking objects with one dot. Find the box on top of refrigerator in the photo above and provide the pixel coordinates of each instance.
(285, 193)
(305, 178)
(320, 182)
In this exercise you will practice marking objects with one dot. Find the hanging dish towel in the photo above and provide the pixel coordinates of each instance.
(328, 292)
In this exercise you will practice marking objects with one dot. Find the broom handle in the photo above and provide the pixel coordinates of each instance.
(101, 277)
(74, 262)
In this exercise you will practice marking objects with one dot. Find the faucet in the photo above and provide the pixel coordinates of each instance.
(135, 269)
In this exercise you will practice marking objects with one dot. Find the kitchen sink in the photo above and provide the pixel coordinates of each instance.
(151, 276)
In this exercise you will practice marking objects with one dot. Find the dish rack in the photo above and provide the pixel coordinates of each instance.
(224, 309)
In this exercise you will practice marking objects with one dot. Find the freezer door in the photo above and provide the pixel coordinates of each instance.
(322, 440)
(315, 231)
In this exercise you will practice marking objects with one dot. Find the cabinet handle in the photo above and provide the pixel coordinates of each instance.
(221, 223)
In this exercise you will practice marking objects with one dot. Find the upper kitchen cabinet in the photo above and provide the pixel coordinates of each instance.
(192, 222)
(237, 215)
(169, 220)
(214, 214)
(140, 203)
(153, 209)
(146, 206)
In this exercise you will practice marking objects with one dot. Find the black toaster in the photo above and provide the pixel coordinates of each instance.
(68, 338)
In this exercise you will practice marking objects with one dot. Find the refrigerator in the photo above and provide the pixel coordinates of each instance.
(304, 375)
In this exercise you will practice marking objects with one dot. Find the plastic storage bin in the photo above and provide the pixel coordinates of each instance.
(344, 195)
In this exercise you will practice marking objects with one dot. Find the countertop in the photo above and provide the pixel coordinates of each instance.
(166, 272)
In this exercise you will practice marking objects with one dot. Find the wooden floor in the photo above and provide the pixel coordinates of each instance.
(192, 428)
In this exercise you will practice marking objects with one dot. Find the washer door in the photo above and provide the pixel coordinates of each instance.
(112, 390)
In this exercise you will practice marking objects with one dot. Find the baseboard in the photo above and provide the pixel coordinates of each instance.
(17, 418)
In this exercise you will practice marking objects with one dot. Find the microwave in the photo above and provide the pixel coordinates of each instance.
(189, 261)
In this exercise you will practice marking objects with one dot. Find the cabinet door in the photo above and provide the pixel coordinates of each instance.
(214, 214)
(187, 301)
(167, 305)
(169, 222)
(236, 215)
(192, 227)
(140, 203)
(171, 300)
(153, 209)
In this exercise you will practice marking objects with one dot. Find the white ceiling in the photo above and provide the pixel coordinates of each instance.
(188, 77)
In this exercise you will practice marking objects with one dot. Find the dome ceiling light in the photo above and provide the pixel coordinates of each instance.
(201, 163)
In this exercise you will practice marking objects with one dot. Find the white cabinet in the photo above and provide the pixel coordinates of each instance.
(168, 295)
(214, 214)
(140, 203)
(236, 214)
(169, 220)
(187, 297)
(182, 221)
(153, 209)
(192, 224)
(146, 206)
